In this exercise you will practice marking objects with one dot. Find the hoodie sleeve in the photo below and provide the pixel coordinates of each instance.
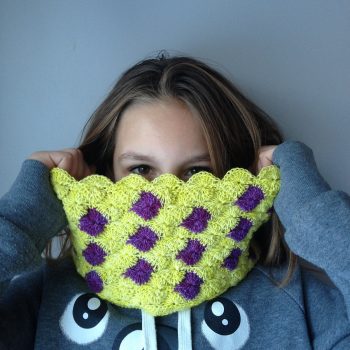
(316, 218)
(30, 214)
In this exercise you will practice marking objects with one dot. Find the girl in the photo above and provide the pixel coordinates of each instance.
(177, 115)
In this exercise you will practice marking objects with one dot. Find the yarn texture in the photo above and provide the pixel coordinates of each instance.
(165, 245)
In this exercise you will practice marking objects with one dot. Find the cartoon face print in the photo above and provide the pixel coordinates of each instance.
(85, 318)
(225, 324)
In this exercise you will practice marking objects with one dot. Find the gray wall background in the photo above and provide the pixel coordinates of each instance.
(59, 58)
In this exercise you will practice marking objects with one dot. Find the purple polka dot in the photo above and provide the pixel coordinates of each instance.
(240, 231)
(93, 222)
(94, 281)
(189, 287)
(232, 260)
(192, 253)
(250, 198)
(147, 206)
(197, 221)
(144, 239)
(141, 272)
(94, 254)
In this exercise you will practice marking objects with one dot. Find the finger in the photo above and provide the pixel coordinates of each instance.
(63, 160)
(80, 167)
(77, 160)
(84, 169)
(73, 157)
(259, 166)
(89, 170)
(265, 155)
(92, 169)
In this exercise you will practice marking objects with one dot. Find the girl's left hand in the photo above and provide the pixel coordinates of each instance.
(265, 156)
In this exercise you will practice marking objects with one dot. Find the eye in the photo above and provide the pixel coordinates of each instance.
(140, 169)
(85, 318)
(225, 324)
(196, 169)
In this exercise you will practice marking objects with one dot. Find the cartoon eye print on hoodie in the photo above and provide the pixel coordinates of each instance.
(225, 324)
(85, 319)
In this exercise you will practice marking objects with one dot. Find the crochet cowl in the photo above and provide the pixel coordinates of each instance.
(165, 245)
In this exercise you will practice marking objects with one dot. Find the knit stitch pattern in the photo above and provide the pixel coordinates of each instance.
(165, 245)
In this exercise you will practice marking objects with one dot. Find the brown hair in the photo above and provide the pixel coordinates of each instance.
(234, 127)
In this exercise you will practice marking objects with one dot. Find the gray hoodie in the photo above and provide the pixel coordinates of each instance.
(48, 306)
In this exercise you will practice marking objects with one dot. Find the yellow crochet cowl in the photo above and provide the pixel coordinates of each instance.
(165, 245)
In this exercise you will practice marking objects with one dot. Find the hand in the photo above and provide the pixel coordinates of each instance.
(70, 159)
(265, 156)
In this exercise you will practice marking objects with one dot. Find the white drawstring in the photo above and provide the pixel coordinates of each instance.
(184, 329)
(149, 331)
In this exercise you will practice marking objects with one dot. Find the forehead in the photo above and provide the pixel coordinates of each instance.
(165, 124)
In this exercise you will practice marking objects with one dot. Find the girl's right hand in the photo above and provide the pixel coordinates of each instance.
(70, 159)
(265, 156)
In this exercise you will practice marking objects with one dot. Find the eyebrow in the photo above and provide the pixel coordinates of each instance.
(144, 157)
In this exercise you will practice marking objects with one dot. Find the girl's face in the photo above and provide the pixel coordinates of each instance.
(160, 137)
